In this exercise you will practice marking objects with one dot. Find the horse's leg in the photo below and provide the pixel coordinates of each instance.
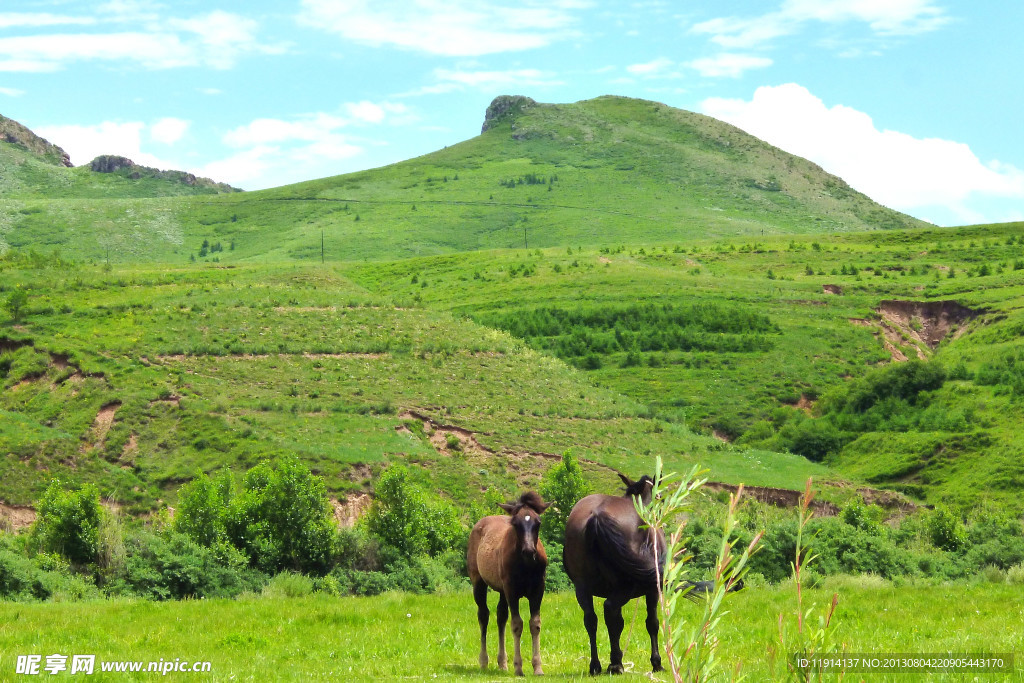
(652, 629)
(586, 601)
(517, 634)
(502, 620)
(614, 622)
(535, 600)
(482, 615)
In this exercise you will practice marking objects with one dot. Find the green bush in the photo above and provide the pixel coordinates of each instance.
(202, 508)
(405, 519)
(170, 565)
(813, 439)
(68, 522)
(288, 585)
(946, 530)
(281, 518)
(45, 577)
(561, 486)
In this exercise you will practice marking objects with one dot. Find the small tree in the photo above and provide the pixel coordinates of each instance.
(404, 519)
(203, 507)
(68, 522)
(281, 519)
(562, 486)
(15, 303)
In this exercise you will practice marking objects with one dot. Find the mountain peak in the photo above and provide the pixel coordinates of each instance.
(13, 132)
(505, 105)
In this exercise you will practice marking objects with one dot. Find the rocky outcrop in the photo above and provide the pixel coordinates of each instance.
(110, 163)
(16, 134)
(505, 105)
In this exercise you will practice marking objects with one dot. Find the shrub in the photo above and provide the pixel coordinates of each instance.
(68, 522)
(813, 439)
(202, 508)
(281, 518)
(562, 486)
(42, 578)
(288, 585)
(171, 565)
(406, 520)
(946, 531)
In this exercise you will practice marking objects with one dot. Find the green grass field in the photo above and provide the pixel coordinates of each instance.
(400, 636)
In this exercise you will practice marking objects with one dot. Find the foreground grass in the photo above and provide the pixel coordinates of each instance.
(399, 636)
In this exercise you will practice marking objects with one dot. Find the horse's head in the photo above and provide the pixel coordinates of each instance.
(641, 489)
(526, 514)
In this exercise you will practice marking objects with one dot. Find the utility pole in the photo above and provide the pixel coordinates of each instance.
(526, 243)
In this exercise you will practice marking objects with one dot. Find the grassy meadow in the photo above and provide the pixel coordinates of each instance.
(400, 636)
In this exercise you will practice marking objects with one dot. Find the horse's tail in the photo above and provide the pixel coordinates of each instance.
(607, 544)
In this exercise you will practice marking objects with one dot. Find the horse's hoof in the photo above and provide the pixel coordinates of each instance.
(595, 668)
(657, 668)
(614, 668)
(537, 671)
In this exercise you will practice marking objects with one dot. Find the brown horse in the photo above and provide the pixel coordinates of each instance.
(608, 555)
(506, 554)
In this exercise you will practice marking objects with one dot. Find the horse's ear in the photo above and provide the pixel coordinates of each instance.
(507, 507)
(626, 480)
(542, 508)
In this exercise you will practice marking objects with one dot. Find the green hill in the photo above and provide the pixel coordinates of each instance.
(593, 173)
(613, 276)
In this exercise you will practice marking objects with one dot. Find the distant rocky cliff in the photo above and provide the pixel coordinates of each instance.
(13, 132)
(502, 106)
(109, 163)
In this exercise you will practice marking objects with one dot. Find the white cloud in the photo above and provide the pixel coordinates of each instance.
(894, 168)
(11, 92)
(242, 168)
(28, 65)
(491, 80)
(36, 19)
(85, 143)
(168, 130)
(452, 28)
(216, 39)
(307, 128)
(652, 68)
(371, 112)
(728, 65)
(318, 127)
(887, 17)
(736, 33)
(883, 17)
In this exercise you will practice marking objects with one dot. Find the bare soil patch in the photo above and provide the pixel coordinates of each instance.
(348, 511)
(101, 425)
(16, 517)
(928, 322)
(784, 498)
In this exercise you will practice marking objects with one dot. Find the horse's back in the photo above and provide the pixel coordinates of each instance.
(485, 553)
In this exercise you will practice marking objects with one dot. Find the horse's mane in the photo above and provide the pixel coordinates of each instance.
(530, 499)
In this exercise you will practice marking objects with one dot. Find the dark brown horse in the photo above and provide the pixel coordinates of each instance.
(608, 555)
(506, 554)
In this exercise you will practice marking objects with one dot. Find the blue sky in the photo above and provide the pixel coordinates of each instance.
(915, 102)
